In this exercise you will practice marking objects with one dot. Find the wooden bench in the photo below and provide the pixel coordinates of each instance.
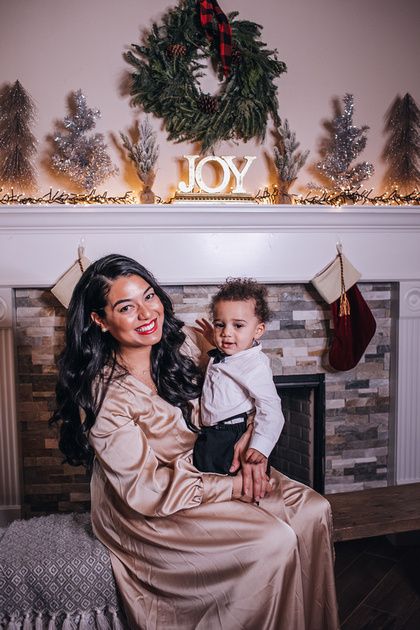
(375, 511)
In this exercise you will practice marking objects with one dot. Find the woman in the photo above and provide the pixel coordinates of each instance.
(188, 549)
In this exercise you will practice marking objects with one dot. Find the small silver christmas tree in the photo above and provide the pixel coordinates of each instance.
(81, 158)
(344, 145)
(288, 161)
(17, 142)
(144, 154)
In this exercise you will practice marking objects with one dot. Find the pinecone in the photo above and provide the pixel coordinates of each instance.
(208, 104)
(176, 50)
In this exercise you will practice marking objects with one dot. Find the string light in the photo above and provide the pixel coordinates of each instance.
(263, 197)
(64, 198)
(341, 198)
(266, 196)
(359, 197)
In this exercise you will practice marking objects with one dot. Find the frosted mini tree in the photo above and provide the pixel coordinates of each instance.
(17, 142)
(345, 144)
(402, 151)
(288, 161)
(144, 154)
(82, 158)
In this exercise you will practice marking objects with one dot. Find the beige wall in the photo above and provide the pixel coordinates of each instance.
(369, 48)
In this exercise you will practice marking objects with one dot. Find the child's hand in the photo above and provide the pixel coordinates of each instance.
(252, 456)
(205, 328)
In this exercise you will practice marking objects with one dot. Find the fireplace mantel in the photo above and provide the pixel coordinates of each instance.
(202, 244)
(205, 243)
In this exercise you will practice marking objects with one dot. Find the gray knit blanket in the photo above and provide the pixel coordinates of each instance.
(54, 574)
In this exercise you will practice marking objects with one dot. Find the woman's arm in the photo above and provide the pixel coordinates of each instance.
(143, 482)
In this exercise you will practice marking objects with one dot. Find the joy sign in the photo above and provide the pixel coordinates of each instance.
(195, 173)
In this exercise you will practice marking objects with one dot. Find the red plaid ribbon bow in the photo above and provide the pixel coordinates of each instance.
(210, 9)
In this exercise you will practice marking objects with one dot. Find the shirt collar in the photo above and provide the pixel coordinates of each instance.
(220, 357)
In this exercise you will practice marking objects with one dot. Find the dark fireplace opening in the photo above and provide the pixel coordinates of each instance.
(300, 451)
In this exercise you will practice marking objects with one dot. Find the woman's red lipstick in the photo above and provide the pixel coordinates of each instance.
(148, 329)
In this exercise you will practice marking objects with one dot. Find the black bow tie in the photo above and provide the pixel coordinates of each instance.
(217, 355)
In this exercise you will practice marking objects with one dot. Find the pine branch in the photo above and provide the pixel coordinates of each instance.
(166, 84)
(145, 152)
(287, 159)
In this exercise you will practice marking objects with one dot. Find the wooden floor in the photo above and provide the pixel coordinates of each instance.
(378, 583)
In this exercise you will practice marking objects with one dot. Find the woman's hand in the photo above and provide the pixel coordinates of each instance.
(237, 492)
(255, 482)
(205, 328)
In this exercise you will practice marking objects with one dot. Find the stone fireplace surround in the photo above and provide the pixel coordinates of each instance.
(200, 245)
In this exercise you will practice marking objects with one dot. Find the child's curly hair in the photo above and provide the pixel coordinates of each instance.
(238, 289)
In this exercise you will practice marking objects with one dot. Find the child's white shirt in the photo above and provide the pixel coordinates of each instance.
(241, 383)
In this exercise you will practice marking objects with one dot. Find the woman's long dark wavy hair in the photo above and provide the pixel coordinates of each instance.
(81, 385)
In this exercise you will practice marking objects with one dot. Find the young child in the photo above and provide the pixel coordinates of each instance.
(238, 380)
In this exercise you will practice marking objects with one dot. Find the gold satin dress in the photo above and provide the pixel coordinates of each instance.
(184, 554)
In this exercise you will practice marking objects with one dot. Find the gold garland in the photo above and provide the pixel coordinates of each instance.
(64, 198)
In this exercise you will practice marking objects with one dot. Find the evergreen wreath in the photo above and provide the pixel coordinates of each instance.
(168, 66)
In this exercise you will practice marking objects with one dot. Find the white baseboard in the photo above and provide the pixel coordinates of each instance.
(401, 482)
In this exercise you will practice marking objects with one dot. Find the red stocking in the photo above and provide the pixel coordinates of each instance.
(352, 331)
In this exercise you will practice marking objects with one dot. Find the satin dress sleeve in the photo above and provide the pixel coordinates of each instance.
(146, 484)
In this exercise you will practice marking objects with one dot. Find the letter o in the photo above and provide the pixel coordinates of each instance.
(199, 177)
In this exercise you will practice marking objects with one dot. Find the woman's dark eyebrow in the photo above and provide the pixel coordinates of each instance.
(130, 300)
(120, 302)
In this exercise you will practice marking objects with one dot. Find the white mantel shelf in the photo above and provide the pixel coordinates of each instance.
(205, 243)
(204, 218)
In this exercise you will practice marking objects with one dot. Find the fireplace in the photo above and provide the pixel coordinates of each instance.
(371, 412)
(300, 451)
(353, 451)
